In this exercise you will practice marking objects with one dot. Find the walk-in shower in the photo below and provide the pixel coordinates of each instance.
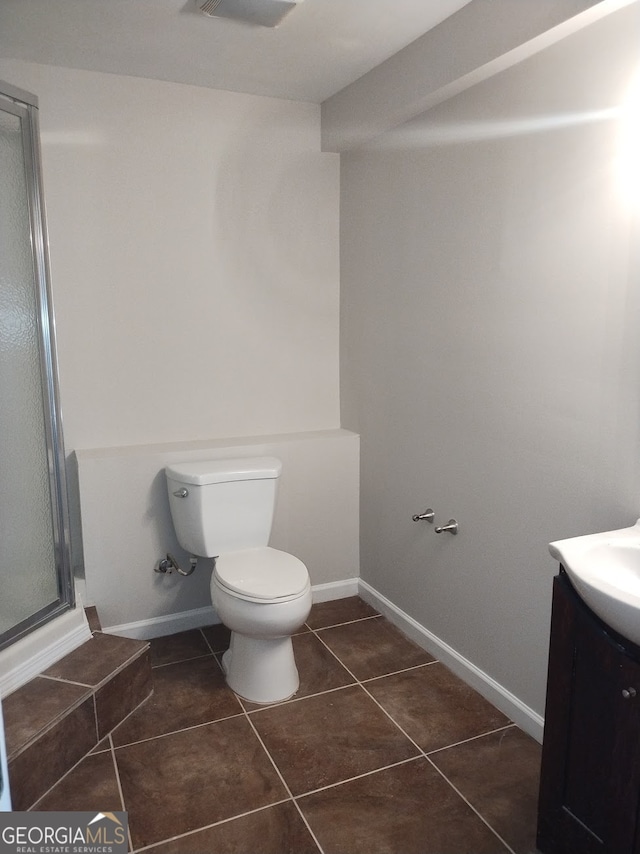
(35, 571)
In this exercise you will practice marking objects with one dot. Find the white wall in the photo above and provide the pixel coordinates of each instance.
(194, 258)
(490, 347)
(195, 269)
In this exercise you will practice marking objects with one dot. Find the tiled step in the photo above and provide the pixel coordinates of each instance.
(57, 718)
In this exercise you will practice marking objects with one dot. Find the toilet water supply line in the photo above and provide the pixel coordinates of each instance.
(169, 563)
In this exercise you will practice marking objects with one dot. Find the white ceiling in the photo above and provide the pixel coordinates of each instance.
(320, 47)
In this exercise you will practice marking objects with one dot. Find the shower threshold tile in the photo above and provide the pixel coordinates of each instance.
(125, 691)
(35, 707)
(93, 619)
(185, 694)
(39, 767)
(97, 659)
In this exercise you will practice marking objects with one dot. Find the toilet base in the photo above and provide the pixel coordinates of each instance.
(261, 670)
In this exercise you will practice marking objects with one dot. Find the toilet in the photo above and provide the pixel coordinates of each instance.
(223, 509)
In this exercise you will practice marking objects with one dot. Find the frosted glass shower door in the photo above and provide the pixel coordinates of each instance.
(30, 543)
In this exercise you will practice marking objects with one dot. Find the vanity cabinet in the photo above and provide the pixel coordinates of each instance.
(590, 777)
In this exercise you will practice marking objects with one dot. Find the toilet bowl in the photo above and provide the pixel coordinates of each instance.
(224, 509)
(264, 596)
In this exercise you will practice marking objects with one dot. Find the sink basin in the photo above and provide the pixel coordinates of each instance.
(605, 570)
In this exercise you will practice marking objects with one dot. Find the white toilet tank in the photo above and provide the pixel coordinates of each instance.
(223, 505)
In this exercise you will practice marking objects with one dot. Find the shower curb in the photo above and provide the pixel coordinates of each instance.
(59, 716)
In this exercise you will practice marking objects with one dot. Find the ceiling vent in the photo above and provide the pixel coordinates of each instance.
(265, 13)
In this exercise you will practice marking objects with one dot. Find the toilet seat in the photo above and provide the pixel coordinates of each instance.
(261, 575)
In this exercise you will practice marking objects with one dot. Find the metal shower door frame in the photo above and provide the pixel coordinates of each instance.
(25, 106)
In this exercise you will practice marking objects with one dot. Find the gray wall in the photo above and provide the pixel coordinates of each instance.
(489, 344)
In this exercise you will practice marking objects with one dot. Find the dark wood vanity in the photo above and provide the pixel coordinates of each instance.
(590, 778)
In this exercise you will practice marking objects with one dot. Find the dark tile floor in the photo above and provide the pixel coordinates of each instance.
(382, 751)
(56, 718)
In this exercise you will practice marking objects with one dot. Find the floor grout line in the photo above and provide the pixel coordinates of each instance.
(291, 700)
(140, 654)
(91, 752)
(368, 693)
(128, 715)
(84, 685)
(398, 672)
(177, 731)
(210, 646)
(91, 686)
(422, 753)
(120, 790)
(335, 655)
(345, 623)
(96, 721)
(469, 804)
(284, 782)
(53, 722)
(221, 668)
(209, 826)
(394, 722)
(510, 725)
(248, 714)
(33, 806)
(360, 776)
(183, 660)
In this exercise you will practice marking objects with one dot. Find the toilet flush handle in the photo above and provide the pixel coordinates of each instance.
(181, 493)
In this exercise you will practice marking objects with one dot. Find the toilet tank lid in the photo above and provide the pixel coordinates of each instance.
(223, 471)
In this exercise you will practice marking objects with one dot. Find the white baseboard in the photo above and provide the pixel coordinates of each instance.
(335, 590)
(522, 715)
(170, 624)
(26, 658)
